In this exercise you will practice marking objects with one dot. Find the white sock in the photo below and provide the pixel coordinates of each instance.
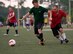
(64, 36)
(60, 38)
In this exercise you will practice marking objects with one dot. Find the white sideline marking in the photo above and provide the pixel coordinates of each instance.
(64, 29)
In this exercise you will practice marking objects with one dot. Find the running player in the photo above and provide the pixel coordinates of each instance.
(27, 23)
(55, 17)
(38, 13)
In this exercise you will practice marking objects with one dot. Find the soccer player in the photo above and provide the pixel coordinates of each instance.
(55, 16)
(27, 23)
(31, 21)
(38, 13)
(45, 21)
(11, 21)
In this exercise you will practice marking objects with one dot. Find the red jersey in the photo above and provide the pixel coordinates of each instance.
(13, 19)
(57, 17)
(31, 20)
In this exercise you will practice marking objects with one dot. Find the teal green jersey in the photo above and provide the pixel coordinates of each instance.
(38, 14)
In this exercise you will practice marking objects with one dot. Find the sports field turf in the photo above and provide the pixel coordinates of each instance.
(27, 43)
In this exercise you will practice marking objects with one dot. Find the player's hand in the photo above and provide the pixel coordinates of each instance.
(8, 18)
(50, 19)
(23, 17)
(6, 22)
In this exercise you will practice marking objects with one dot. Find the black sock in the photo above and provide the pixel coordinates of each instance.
(40, 36)
(16, 31)
(7, 31)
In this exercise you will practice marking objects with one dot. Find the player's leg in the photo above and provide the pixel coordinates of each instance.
(31, 25)
(28, 27)
(36, 31)
(57, 35)
(7, 30)
(39, 36)
(61, 32)
(63, 35)
(8, 27)
(40, 26)
(16, 29)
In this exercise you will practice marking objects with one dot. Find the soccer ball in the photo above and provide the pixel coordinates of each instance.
(12, 42)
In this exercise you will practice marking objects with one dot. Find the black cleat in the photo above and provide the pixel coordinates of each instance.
(66, 40)
(42, 43)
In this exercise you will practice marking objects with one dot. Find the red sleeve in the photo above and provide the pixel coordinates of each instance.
(48, 15)
(63, 13)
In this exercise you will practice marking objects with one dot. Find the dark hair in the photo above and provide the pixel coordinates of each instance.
(35, 1)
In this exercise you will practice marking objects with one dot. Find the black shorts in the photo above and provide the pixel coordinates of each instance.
(38, 26)
(12, 24)
(56, 29)
(32, 24)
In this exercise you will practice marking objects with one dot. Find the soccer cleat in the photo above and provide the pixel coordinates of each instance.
(5, 34)
(41, 43)
(66, 40)
(16, 35)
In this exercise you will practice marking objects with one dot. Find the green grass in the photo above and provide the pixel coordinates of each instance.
(27, 43)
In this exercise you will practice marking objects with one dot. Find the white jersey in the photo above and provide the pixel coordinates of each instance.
(27, 21)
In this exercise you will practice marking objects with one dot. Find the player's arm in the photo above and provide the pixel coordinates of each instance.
(7, 19)
(25, 16)
(30, 12)
(11, 16)
(66, 15)
(45, 10)
(49, 17)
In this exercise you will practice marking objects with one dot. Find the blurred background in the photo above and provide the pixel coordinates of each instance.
(21, 7)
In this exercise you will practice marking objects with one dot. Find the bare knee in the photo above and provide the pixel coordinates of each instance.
(8, 27)
(39, 30)
(61, 30)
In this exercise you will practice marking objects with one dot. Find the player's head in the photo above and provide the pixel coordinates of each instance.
(55, 7)
(35, 3)
(10, 9)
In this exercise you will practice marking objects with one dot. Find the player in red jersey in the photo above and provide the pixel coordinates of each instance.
(31, 21)
(11, 21)
(55, 17)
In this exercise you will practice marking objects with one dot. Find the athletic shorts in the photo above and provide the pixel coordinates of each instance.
(55, 30)
(38, 26)
(12, 24)
(27, 24)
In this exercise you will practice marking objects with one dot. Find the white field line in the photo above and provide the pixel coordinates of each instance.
(64, 29)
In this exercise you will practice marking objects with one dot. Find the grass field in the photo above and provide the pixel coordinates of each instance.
(27, 43)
